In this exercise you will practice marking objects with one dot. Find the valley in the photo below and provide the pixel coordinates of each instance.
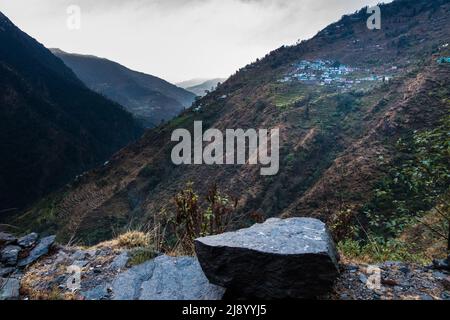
(334, 145)
(359, 121)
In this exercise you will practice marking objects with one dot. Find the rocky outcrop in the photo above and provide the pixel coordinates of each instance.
(391, 280)
(9, 255)
(41, 249)
(15, 255)
(166, 278)
(291, 258)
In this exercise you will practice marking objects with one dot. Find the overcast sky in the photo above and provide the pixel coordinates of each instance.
(178, 39)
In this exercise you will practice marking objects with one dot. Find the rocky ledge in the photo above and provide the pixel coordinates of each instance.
(15, 255)
(280, 257)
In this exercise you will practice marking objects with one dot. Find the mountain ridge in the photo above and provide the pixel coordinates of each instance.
(201, 86)
(149, 98)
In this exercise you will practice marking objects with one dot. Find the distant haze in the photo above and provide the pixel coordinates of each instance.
(178, 39)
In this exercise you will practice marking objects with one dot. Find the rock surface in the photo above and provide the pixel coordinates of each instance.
(390, 281)
(15, 255)
(28, 241)
(291, 258)
(105, 273)
(166, 278)
(9, 289)
(9, 255)
(41, 249)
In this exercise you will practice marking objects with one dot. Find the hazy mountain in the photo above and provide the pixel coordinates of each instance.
(51, 126)
(149, 98)
(343, 101)
(201, 86)
(191, 82)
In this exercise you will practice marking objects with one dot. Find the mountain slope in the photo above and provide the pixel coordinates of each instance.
(332, 137)
(149, 98)
(202, 88)
(51, 126)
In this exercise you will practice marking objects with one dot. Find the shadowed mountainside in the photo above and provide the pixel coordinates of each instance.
(151, 99)
(52, 127)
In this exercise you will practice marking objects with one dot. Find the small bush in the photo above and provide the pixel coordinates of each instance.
(134, 239)
(140, 255)
(192, 221)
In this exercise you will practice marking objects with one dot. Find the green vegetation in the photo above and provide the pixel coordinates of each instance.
(417, 182)
(140, 255)
(180, 121)
(375, 252)
(192, 221)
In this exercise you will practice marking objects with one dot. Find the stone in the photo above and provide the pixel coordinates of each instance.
(165, 278)
(127, 285)
(41, 249)
(179, 278)
(6, 271)
(120, 262)
(6, 238)
(28, 241)
(404, 269)
(426, 297)
(9, 289)
(445, 295)
(439, 275)
(80, 263)
(9, 255)
(278, 259)
(446, 283)
(441, 264)
(78, 255)
(97, 293)
(61, 258)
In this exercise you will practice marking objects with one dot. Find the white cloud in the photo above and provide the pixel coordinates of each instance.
(178, 39)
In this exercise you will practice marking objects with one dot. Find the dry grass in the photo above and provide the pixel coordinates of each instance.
(134, 239)
(32, 284)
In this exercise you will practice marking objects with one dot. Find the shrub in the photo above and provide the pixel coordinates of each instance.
(192, 222)
(140, 255)
(133, 239)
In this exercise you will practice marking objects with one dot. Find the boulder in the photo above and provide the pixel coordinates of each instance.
(9, 289)
(166, 278)
(9, 255)
(6, 238)
(41, 249)
(278, 259)
(28, 241)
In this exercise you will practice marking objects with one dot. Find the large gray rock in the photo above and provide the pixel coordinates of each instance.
(291, 258)
(166, 278)
(41, 249)
(9, 255)
(9, 289)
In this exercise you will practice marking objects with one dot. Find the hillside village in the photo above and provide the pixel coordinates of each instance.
(332, 73)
